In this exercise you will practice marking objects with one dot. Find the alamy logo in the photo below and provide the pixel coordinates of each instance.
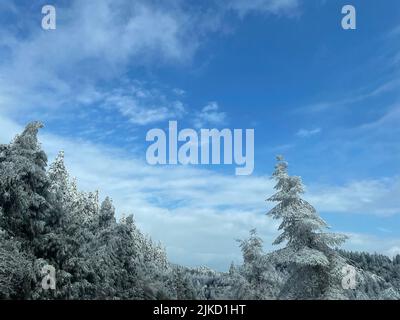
(349, 20)
(49, 279)
(205, 149)
(49, 20)
(349, 277)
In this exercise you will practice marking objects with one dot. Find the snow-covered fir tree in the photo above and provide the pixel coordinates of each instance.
(258, 270)
(308, 253)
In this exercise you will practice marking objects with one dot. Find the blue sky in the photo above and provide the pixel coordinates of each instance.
(326, 98)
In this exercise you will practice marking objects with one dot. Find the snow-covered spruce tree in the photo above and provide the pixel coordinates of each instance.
(123, 264)
(182, 285)
(314, 267)
(24, 195)
(68, 234)
(106, 216)
(263, 280)
(29, 210)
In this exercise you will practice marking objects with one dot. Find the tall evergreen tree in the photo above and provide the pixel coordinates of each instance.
(107, 213)
(24, 186)
(257, 269)
(308, 251)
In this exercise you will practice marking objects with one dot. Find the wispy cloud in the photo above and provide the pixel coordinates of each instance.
(210, 115)
(143, 106)
(376, 197)
(389, 121)
(305, 133)
(389, 60)
(373, 244)
(328, 105)
(99, 41)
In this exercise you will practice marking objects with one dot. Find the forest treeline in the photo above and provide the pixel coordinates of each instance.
(46, 221)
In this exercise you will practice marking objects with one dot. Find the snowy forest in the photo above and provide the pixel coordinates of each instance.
(46, 221)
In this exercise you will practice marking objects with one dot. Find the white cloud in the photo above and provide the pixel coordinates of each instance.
(372, 244)
(97, 42)
(94, 42)
(304, 133)
(143, 106)
(210, 115)
(377, 197)
(394, 251)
